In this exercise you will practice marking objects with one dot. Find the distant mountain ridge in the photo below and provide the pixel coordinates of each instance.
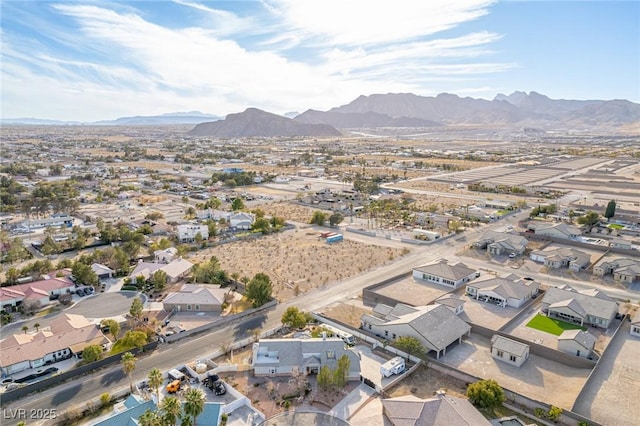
(515, 108)
(254, 122)
(193, 117)
(345, 120)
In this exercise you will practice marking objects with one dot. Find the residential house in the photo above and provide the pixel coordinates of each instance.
(128, 413)
(621, 244)
(188, 233)
(576, 342)
(508, 350)
(442, 410)
(165, 256)
(241, 220)
(284, 357)
(442, 273)
(562, 258)
(635, 324)
(176, 269)
(570, 305)
(102, 272)
(67, 335)
(557, 230)
(196, 297)
(37, 292)
(453, 302)
(499, 243)
(509, 291)
(624, 269)
(436, 326)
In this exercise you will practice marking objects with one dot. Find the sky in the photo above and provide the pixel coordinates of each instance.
(97, 60)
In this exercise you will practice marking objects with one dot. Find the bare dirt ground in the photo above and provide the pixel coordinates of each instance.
(424, 382)
(298, 260)
(346, 313)
(289, 211)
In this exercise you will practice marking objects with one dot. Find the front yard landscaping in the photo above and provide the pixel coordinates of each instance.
(551, 325)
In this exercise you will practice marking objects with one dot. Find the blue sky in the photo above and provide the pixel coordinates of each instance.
(96, 60)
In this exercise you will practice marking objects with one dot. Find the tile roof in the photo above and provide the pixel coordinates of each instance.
(66, 330)
(440, 411)
(506, 288)
(197, 294)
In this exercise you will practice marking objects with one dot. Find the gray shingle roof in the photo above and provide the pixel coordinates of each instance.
(584, 338)
(444, 270)
(507, 288)
(595, 306)
(507, 345)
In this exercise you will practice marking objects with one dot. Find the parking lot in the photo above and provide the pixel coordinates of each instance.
(538, 378)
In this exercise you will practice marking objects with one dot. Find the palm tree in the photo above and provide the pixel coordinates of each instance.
(170, 408)
(36, 326)
(193, 405)
(25, 328)
(128, 365)
(150, 418)
(155, 380)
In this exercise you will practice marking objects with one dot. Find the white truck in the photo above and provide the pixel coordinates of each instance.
(393, 366)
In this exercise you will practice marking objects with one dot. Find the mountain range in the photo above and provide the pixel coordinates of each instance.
(193, 117)
(406, 110)
(254, 122)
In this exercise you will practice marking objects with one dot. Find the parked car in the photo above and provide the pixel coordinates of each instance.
(80, 292)
(174, 386)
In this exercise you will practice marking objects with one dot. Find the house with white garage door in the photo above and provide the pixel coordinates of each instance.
(452, 276)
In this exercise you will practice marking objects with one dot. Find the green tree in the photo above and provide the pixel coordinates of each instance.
(170, 410)
(262, 225)
(485, 394)
(105, 399)
(589, 219)
(113, 326)
(11, 276)
(342, 371)
(554, 413)
(259, 289)
(84, 274)
(159, 280)
(92, 353)
(25, 329)
(150, 418)
(131, 339)
(49, 246)
(318, 218)
(611, 210)
(410, 345)
(335, 219)
(136, 308)
(37, 326)
(237, 204)
(128, 365)
(193, 404)
(155, 380)
(325, 378)
(293, 318)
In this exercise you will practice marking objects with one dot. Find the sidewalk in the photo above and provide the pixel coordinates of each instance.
(352, 402)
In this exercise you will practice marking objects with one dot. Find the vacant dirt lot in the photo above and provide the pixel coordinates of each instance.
(346, 313)
(298, 260)
(424, 382)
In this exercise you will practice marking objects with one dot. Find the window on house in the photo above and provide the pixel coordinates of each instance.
(500, 353)
(197, 307)
(512, 358)
(369, 326)
(394, 336)
(386, 333)
(188, 307)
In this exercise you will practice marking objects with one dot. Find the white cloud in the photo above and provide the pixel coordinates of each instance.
(140, 67)
(365, 22)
